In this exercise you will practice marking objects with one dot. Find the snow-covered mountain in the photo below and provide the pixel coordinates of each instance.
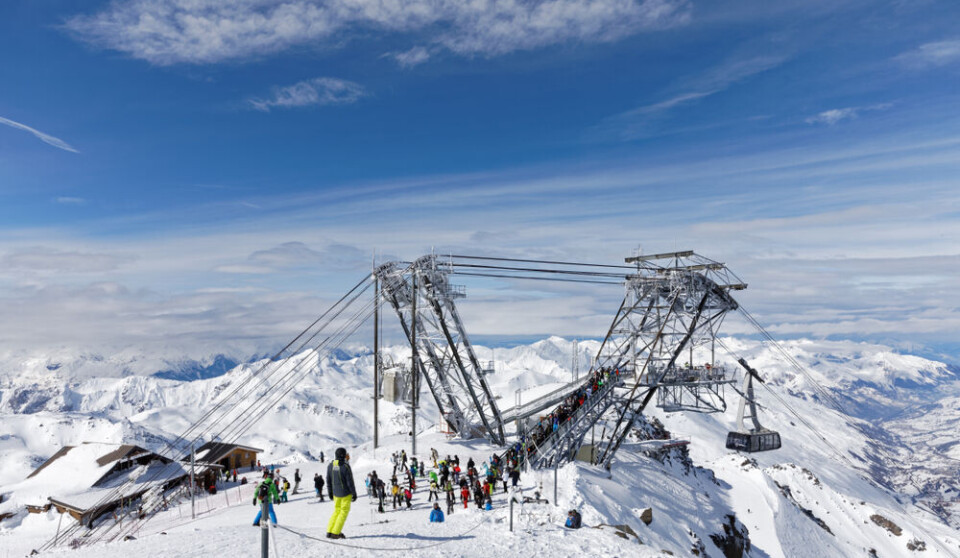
(842, 478)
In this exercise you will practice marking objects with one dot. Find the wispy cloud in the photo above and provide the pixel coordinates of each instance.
(410, 58)
(69, 200)
(46, 138)
(841, 237)
(43, 259)
(832, 116)
(298, 254)
(635, 122)
(166, 32)
(318, 91)
(931, 55)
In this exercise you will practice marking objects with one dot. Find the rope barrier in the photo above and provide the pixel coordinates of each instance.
(399, 549)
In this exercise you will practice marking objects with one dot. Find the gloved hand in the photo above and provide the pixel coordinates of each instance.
(354, 498)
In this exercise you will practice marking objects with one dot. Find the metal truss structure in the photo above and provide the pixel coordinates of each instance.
(674, 303)
(423, 298)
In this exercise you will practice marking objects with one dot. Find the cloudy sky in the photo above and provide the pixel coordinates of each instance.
(202, 176)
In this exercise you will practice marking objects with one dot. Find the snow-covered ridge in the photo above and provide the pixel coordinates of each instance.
(901, 430)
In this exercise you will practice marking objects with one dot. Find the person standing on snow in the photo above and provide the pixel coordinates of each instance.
(436, 516)
(318, 484)
(296, 481)
(451, 499)
(381, 494)
(266, 491)
(341, 490)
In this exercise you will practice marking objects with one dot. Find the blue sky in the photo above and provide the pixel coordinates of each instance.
(200, 176)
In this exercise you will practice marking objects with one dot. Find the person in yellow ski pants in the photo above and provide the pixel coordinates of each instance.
(342, 491)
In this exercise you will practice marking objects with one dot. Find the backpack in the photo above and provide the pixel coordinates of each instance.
(262, 491)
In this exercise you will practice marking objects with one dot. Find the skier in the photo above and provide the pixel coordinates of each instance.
(515, 476)
(321, 457)
(433, 492)
(574, 520)
(451, 499)
(381, 494)
(341, 490)
(296, 481)
(318, 484)
(395, 492)
(436, 516)
(465, 495)
(408, 496)
(286, 487)
(266, 491)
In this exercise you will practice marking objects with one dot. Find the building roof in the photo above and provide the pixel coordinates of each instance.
(89, 467)
(211, 452)
(123, 484)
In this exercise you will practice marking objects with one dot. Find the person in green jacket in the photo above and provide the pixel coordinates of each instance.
(266, 490)
(341, 490)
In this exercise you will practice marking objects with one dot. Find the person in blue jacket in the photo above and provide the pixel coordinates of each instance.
(573, 520)
(436, 516)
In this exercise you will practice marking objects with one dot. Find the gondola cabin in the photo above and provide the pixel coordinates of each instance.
(765, 440)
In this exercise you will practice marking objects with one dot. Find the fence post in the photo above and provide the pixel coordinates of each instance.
(512, 501)
(555, 469)
(264, 528)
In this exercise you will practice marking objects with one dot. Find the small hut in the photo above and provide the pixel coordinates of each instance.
(228, 456)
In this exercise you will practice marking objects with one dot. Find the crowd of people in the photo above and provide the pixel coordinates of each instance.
(550, 423)
(471, 484)
(475, 483)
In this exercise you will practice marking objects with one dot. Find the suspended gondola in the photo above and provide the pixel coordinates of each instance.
(757, 438)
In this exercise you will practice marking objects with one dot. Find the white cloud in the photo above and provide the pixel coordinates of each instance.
(410, 58)
(166, 32)
(46, 138)
(297, 254)
(931, 55)
(635, 122)
(318, 91)
(832, 116)
(875, 256)
(42, 259)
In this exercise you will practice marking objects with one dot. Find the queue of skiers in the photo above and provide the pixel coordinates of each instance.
(552, 422)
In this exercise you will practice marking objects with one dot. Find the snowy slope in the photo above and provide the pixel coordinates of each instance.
(891, 456)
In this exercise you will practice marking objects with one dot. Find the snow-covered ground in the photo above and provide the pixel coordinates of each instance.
(829, 491)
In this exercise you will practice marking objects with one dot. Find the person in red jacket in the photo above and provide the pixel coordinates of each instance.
(465, 496)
